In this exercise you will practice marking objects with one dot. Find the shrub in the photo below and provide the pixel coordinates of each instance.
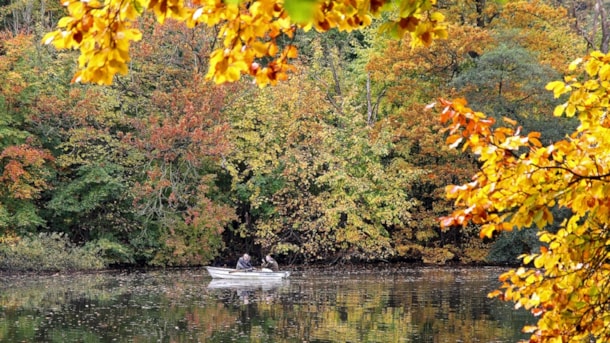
(110, 251)
(437, 256)
(47, 252)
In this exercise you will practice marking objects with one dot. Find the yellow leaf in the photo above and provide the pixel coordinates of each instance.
(604, 72)
(232, 74)
(132, 34)
(49, 37)
(557, 87)
(487, 231)
(527, 259)
(592, 67)
(570, 110)
(63, 22)
(437, 16)
(260, 48)
(98, 60)
(291, 51)
(494, 294)
(575, 64)
(115, 67)
(559, 110)
(510, 121)
(273, 49)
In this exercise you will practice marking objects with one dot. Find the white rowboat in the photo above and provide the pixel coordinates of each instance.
(254, 274)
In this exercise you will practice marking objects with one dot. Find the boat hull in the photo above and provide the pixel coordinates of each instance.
(230, 273)
(248, 284)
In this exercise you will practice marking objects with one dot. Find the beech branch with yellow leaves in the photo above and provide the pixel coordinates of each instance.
(248, 30)
(566, 284)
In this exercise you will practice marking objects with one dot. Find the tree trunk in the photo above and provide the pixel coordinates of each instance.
(480, 6)
(605, 25)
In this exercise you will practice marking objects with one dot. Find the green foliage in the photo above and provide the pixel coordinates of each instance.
(85, 194)
(92, 194)
(511, 244)
(110, 251)
(10, 134)
(92, 186)
(507, 81)
(47, 252)
(20, 215)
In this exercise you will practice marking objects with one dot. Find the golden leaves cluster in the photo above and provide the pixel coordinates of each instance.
(247, 30)
(568, 283)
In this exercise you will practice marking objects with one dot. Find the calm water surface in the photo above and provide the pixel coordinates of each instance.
(418, 305)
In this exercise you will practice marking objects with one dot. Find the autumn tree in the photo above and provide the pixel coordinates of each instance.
(565, 284)
(184, 141)
(92, 199)
(410, 80)
(507, 79)
(312, 171)
(25, 166)
(419, 75)
(182, 133)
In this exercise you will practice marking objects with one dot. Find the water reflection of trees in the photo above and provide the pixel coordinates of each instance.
(418, 306)
(435, 306)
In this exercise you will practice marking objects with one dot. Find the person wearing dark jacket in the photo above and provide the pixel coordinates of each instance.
(244, 263)
(271, 263)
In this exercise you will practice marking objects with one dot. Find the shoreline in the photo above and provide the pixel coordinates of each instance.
(340, 268)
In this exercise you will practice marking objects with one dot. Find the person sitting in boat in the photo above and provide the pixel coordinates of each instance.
(271, 263)
(244, 263)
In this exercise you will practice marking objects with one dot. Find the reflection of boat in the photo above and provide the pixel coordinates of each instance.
(256, 274)
(251, 284)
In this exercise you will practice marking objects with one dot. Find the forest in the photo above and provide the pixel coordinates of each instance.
(343, 160)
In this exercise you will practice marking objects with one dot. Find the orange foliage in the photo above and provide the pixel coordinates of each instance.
(24, 175)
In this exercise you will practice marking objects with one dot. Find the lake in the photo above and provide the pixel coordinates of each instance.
(410, 305)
